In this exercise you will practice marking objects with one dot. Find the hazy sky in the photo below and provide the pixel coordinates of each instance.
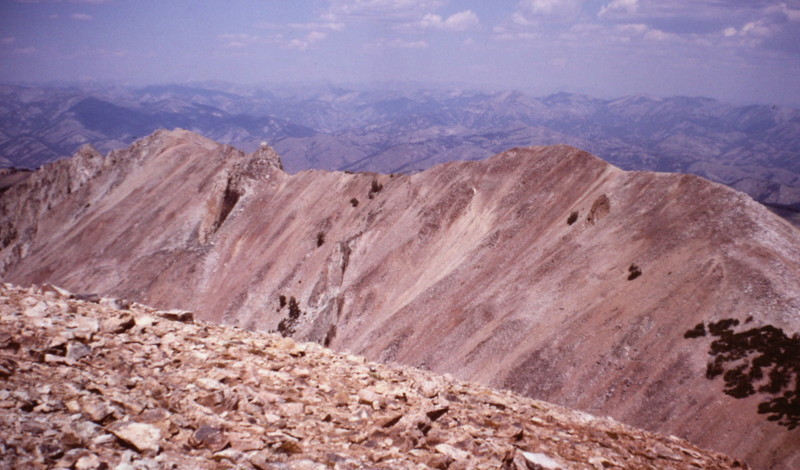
(736, 50)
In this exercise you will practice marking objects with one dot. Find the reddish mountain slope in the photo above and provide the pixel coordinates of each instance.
(544, 270)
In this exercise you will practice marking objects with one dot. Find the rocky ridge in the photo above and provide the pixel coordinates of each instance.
(101, 383)
(751, 148)
(542, 270)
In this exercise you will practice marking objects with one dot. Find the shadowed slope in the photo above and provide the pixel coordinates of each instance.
(544, 270)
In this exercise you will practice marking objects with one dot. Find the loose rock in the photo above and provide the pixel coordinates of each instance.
(143, 437)
(88, 387)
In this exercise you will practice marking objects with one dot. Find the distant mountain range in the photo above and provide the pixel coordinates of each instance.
(755, 149)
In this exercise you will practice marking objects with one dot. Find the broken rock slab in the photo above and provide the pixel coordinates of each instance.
(142, 437)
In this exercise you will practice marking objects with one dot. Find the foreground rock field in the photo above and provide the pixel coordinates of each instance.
(99, 383)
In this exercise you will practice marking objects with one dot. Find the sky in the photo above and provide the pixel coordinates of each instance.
(740, 51)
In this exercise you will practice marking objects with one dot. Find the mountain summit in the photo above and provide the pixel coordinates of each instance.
(657, 299)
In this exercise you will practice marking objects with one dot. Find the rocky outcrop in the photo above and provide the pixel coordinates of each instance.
(235, 183)
(23, 204)
(541, 270)
(752, 148)
(86, 386)
(11, 176)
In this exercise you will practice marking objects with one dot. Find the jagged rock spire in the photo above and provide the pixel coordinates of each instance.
(262, 162)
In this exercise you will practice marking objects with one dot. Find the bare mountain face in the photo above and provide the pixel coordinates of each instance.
(755, 149)
(663, 300)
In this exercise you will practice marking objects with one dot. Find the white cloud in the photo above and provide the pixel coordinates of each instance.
(315, 36)
(697, 16)
(504, 34)
(791, 14)
(241, 40)
(460, 21)
(25, 50)
(550, 7)
(586, 28)
(431, 20)
(537, 12)
(237, 40)
(382, 9)
(756, 28)
(8, 40)
(81, 17)
(317, 31)
(329, 25)
(616, 6)
(771, 24)
(313, 26)
(308, 40)
(540, 6)
(107, 53)
(400, 44)
(88, 2)
(658, 35)
(521, 20)
(632, 28)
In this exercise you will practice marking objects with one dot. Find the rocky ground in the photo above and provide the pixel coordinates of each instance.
(90, 383)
